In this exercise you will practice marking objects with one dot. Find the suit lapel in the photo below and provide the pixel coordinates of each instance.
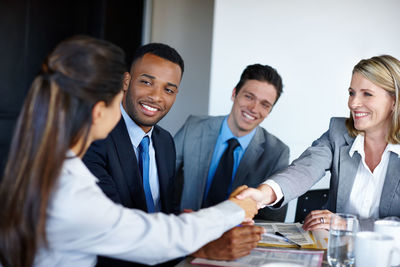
(392, 179)
(206, 147)
(129, 166)
(348, 167)
(250, 157)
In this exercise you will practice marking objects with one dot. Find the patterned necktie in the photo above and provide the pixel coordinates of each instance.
(223, 176)
(144, 160)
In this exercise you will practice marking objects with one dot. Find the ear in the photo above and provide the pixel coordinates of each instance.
(98, 112)
(233, 94)
(125, 81)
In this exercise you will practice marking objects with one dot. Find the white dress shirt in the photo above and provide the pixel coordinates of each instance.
(366, 192)
(136, 135)
(82, 223)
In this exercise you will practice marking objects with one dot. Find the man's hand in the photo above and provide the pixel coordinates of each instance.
(247, 204)
(233, 244)
(263, 195)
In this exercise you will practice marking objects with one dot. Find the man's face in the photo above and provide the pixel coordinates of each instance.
(251, 106)
(150, 90)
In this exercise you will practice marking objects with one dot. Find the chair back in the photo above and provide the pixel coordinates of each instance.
(311, 200)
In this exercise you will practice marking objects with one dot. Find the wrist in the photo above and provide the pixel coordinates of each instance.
(268, 193)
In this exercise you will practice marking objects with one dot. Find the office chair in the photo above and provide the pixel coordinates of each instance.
(311, 200)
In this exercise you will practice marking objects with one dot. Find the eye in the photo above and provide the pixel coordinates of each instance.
(169, 91)
(367, 94)
(145, 82)
(351, 93)
(266, 105)
(248, 96)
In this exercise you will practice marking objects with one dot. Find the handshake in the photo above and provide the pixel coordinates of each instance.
(252, 199)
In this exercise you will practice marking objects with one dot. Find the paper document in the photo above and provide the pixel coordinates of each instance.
(292, 231)
(271, 257)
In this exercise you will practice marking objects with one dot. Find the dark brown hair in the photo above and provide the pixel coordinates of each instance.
(262, 73)
(80, 72)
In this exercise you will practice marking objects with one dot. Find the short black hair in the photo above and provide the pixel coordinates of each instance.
(161, 50)
(262, 73)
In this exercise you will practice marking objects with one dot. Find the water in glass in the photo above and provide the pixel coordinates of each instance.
(341, 248)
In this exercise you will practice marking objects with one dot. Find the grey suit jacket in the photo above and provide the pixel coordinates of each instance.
(195, 143)
(331, 153)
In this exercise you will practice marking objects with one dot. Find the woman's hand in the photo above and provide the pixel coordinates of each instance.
(317, 219)
(263, 195)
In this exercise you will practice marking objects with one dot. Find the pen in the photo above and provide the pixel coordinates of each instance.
(276, 237)
(288, 239)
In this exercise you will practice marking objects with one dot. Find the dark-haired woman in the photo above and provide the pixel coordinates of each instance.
(53, 213)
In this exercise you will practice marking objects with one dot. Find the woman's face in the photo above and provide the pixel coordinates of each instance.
(110, 115)
(370, 105)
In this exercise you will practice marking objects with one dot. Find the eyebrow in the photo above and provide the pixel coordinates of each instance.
(265, 100)
(362, 89)
(153, 78)
(262, 100)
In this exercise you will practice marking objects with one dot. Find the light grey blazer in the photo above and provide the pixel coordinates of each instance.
(195, 143)
(331, 153)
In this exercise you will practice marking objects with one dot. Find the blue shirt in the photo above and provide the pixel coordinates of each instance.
(136, 135)
(220, 146)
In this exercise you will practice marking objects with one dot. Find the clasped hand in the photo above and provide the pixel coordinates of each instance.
(246, 203)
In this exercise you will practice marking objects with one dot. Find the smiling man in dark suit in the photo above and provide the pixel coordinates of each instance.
(135, 164)
(217, 154)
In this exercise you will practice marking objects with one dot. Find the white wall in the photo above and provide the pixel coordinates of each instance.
(313, 44)
(186, 25)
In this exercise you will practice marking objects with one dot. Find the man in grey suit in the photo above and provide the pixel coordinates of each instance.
(217, 154)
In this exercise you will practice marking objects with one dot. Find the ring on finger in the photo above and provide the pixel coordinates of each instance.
(322, 220)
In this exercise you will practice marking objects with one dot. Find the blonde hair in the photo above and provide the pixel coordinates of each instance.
(383, 71)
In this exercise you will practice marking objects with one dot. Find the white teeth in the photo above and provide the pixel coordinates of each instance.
(149, 108)
(360, 114)
(248, 116)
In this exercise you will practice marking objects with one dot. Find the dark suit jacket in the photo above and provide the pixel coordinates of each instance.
(195, 142)
(113, 162)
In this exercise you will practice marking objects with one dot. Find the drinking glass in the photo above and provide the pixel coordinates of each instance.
(343, 228)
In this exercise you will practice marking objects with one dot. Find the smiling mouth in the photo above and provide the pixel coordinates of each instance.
(149, 108)
(248, 116)
(358, 115)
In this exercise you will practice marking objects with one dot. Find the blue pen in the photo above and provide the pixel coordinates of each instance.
(281, 237)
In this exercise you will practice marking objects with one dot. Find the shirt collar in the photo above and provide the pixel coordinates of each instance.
(136, 133)
(358, 146)
(227, 134)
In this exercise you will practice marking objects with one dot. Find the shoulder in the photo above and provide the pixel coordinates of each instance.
(337, 129)
(338, 124)
(199, 123)
(161, 133)
(271, 140)
(201, 120)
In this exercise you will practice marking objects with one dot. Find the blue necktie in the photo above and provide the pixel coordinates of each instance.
(144, 160)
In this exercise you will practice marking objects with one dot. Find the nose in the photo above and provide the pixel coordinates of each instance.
(252, 106)
(155, 93)
(354, 102)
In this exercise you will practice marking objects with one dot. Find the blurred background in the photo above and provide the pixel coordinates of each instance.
(313, 44)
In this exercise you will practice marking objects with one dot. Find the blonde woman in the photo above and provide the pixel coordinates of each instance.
(361, 152)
